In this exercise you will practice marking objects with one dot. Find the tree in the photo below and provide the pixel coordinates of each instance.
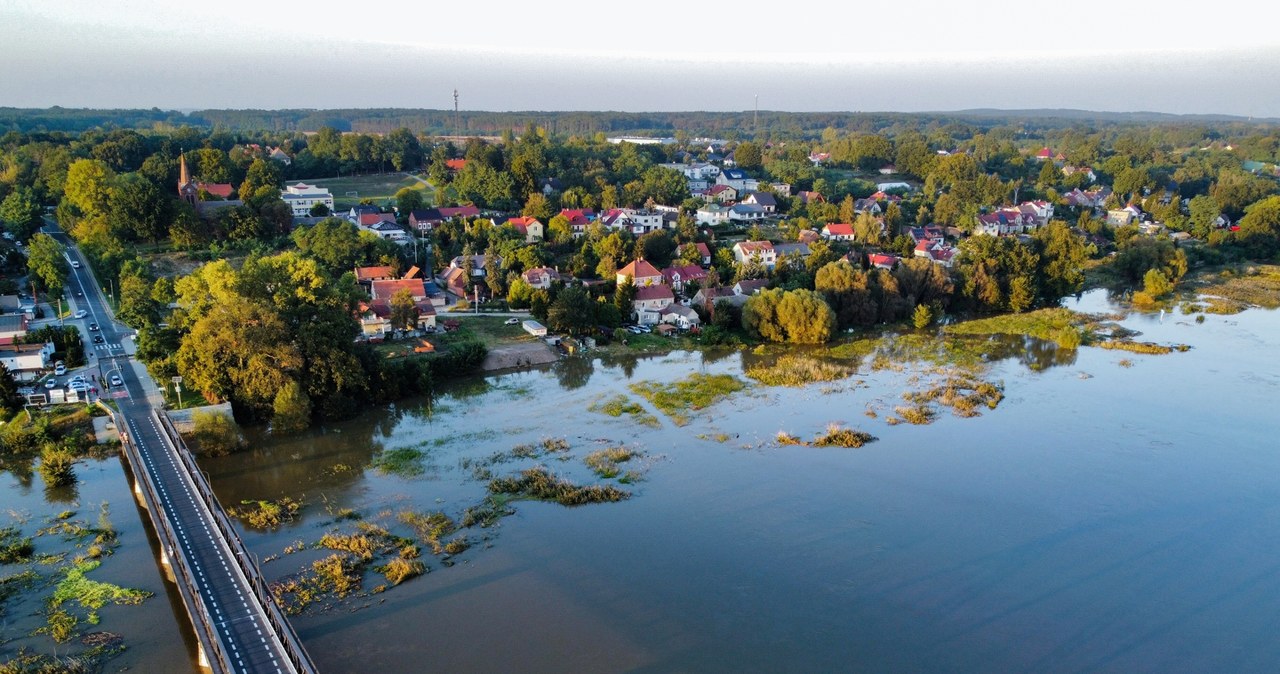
(536, 206)
(10, 401)
(88, 186)
(1260, 226)
(656, 247)
(408, 200)
(747, 155)
(20, 212)
(320, 210)
(262, 173)
(572, 311)
(46, 261)
(291, 409)
(922, 316)
(404, 311)
(138, 210)
(796, 316)
(1062, 257)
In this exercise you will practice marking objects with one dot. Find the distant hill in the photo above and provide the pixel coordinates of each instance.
(745, 124)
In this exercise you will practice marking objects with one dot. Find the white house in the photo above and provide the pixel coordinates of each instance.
(680, 316)
(738, 180)
(636, 221)
(649, 300)
(541, 278)
(745, 251)
(25, 360)
(302, 197)
(746, 213)
(712, 214)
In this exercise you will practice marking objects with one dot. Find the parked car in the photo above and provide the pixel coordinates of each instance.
(78, 386)
(511, 321)
(51, 383)
(82, 313)
(59, 368)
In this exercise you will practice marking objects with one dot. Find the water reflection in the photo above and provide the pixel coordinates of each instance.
(574, 372)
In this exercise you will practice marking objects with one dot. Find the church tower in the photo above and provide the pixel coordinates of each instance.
(187, 190)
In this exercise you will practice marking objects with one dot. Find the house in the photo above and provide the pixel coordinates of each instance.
(764, 200)
(818, 157)
(26, 361)
(550, 186)
(1045, 154)
(10, 304)
(746, 213)
(807, 197)
(636, 221)
(837, 232)
(641, 273)
(709, 297)
(678, 276)
(885, 261)
(455, 165)
(1122, 216)
(1086, 170)
(704, 252)
(721, 194)
(302, 197)
(382, 291)
(530, 227)
(792, 251)
(867, 205)
(749, 287)
(680, 316)
(1040, 211)
(13, 327)
(649, 300)
(781, 189)
(888, 170)
(885, 187)
(276, 154)
(712, 214)
(761, 251)
(738, 180)
(541, 277)
(927, 233)
(808, 236)
(388, 229)
(367, 275)
(937, 252)
(456, 281)
(428, 219)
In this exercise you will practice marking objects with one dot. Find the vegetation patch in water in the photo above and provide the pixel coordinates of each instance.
(91, 595)
(14, 547)
(538, 483)
(839, 436)
(605, 462)
(266, 514)
(793, 370)
(1058, 325)
(619, 405)
(694, 393)
(1142, 347)
(963, 393)
(1253, 285)
(402, 461)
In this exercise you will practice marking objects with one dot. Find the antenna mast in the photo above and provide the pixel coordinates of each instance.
(457, 127)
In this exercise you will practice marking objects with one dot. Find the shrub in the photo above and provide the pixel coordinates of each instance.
(216, 434)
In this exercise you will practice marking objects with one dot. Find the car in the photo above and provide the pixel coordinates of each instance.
(97, 339)
(51, 383)
(75, 264)
(93, 327)
(511, 321)
(82, 313)
(59, 368)
(78, 386)
(116, 381)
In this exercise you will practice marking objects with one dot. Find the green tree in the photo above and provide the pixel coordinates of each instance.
(1260, 226)
(404, 311)
(796, 316)
(537, 206)
(10, 401)
(1062, 257)
(747, 155)
(46, 262)
(291, 409)
(88, 186)
(922, 317)
(262, 173)
(1156, 284)
(408, 200)
(20, 212)
(572, 311)
(138, 210)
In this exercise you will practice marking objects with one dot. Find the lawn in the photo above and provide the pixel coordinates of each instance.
(348, 191)
(487, 329)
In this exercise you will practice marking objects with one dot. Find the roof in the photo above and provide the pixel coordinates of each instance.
(639, 269)
(734, 174)
(753, 246)
(654, 292)
(455, 164)
(217, 189)
(838, 229)
(717, 189)
(368, 219)
(691, 272)
(747, 208)
(680, 310)
(383, 289)
(537, 272)
(762, 198)
(751, 286)
(13, 323)
(371, 273)
(882, 259)
(801, 249)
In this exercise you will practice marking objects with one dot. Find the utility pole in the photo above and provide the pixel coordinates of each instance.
(457, 126)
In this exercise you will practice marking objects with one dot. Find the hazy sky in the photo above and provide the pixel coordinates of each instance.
(912, 55)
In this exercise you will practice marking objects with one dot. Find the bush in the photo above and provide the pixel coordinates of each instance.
(216, 434)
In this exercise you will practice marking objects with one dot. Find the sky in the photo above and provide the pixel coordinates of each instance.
(657, 55)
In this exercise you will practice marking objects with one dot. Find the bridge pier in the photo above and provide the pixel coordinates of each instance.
(137, 494)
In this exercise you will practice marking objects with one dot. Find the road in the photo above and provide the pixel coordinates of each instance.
(236, 616)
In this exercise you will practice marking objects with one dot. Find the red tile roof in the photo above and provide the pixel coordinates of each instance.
(639, 269)
(655, 292)
(371, 273)
(455, 164)
(217, 189)
(839, 229)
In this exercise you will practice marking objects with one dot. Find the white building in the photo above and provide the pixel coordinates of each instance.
(302, 197)
(25, 361)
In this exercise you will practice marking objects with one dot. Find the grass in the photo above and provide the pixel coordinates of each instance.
(961, 392)
(430, 527)
(381, 188)
(1234, 290)
(14, 547)
(266, 514)
(619, 405)
(918, 414)
(694, 393)
(91, 595)
(605, 462)
(793, 370)
(839, 436)
(1142, 347)
(402, 461)
(537, 483)
(1059, 325)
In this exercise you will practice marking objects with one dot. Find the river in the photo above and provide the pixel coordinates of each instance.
(1116, 512)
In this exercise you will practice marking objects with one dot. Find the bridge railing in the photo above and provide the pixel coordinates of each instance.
(279, 623)
(185, 579)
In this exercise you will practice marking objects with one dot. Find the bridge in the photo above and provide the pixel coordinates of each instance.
(238, 624)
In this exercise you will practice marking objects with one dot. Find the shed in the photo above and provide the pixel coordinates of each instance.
(535, 328)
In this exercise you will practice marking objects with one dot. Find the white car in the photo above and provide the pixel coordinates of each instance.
(78, 386)
(116, 381)
(51, 383)
(511, 321)
(75, 264)
(82, 313)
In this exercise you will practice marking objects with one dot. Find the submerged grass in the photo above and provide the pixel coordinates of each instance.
(694, 393)
(402, 462)
(538, 483)
(1234, 290)
(605, 462)
(1063, 326)
(619, 405)
(793, 370)
(91, 595)
(839, 436)
(266, 514)
(1142, 347)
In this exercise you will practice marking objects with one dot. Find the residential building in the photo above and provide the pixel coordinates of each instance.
(302, 197)
(712, 214)
(641, 273)
(721, 194)
(837, 231)
(636, 221)
(678, 276)
(649, 300)
(367, 275)
(761, 251)
(738, 180)
(428, 219)
(764, 200)
(13, 327)
(382, 292)
(749, 287)
(680, 316)
(884, 261)
(530, 227)
(936, 251)
(541, 277)
(742, 213)
(26, 361)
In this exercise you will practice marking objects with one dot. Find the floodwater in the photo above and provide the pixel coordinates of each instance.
(157, 636)
(1117, 512)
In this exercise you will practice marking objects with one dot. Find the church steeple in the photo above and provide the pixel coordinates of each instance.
(187, 191)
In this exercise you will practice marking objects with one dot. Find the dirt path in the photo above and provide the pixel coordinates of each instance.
(519, 355)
